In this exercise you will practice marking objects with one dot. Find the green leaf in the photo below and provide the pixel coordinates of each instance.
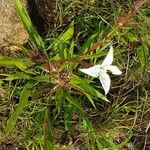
(63, 38)
(83, 86)
(143, 53)
(85, 93)
(87, 125)
(59, 97)
(98, 54)
(68, 34)
(76, 79)
(74, 102)
(68, 113)
(22, 104)
(16, 76)
(88, 43)
(92, 91)
(21, 63)
(132, 36)
(42, 78)
(47, 130)
(37, 40)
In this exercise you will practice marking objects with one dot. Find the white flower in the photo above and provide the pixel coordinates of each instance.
(101, 71)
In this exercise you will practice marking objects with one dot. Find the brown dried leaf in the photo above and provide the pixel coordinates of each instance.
(137, 4)
(123, 20)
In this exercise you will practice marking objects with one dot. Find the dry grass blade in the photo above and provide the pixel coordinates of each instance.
(137, 4)
(123, 20)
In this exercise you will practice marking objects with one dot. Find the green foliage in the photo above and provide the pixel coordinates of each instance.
(35, 37)
(21, 63)
(61, 88)
(88, 43)
(59, 44)
(48, 75)
(143, 54)
(84, 87)
(23, 101)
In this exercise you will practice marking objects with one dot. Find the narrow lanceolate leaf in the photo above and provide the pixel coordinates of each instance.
(92, 92)
(37, 40)
(22, 104)
(85, 93)
(83, 86)
(42, 78)
(74, 102)
(68, 114)
(88, 43)
(10, 77)
(18, 62)
(64, 38)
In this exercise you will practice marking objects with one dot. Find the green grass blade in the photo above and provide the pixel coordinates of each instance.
(74, 102)
(59, 98)
(68, 114)
(22, 104)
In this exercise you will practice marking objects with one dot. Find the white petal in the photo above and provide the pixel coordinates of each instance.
(92, 71)
(109, 58)
(114, 69)
(105, 81)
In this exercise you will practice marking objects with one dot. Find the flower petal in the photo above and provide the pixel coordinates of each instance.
(114, 69)
(92, 71)
(105, 81)
(109, 58)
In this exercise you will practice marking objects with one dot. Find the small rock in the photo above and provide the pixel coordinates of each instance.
(11, 27)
